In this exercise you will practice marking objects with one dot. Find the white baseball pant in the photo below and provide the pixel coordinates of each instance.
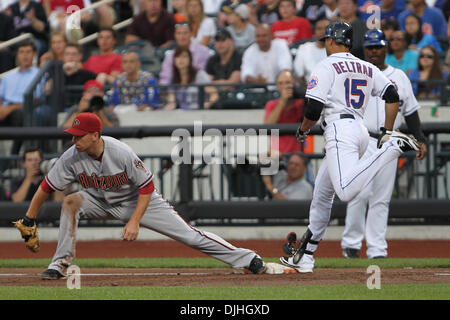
(343, 172)
(376, 197)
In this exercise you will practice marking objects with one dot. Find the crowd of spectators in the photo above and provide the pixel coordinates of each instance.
(274, 43)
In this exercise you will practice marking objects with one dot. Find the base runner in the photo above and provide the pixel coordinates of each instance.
(337, 93)
(115, 185)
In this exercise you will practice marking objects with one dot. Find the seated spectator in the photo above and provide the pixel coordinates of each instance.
(389, 8)
(289, 27)
(144, 94)
(224, 11)
(107, 64)
(429, 68)
(12, 89)
(29, 17)
(242, 32)
(93, 101)
(153, 24)
(290, 184)
(315, 10)
(268, 13)
(401, 58)
(184, 72)
(180, 12)
(225, 66)
(433, 20)
(73, 73)
(203, 28)
(7, 33)
(263, 60)
(24, 188)
(388, 27)
(286, 109)
(58, 42)
(310, 53)
(348, 12)
(200, 53)
(415, 37)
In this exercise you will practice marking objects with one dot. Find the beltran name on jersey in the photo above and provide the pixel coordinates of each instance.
(352, 66)
(344, 84)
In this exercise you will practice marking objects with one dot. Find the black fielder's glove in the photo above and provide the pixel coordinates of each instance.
(301, 135)
(384, 136)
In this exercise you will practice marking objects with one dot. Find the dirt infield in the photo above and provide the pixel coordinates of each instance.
(223, 277)
(219, 277)
(171, 248)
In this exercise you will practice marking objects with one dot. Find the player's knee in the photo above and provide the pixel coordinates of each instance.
(72, 203)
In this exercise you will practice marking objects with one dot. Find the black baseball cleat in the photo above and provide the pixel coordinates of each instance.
(350, 253)
(405, 142)
(257, 266)
(51, 274)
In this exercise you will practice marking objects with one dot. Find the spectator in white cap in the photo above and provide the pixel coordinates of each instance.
(242, 32)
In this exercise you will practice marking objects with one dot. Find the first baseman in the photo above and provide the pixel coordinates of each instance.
(377, 195)
(338, 92)
(115, 185)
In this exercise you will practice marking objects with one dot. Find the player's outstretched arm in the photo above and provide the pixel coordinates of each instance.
(36, 203)
(131, 229)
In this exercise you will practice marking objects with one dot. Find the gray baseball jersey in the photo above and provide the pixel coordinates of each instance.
(116, 178)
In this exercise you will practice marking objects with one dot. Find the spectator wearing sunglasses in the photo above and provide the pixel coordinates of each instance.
(429, 68)
(401, 57)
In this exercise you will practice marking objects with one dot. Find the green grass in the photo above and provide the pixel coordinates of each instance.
(336, 292)
(212, 263)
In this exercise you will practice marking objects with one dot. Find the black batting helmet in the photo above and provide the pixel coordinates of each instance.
(340, 32)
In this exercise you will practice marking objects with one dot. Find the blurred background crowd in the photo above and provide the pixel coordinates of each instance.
(111, 56)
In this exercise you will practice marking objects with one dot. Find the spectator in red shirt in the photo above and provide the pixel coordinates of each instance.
(107, 64)
(286, 109)
(291, 28)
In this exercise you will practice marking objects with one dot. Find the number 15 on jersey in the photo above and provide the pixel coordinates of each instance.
(354, 95)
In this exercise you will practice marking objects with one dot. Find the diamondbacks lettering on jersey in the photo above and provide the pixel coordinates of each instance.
(353, 67)
(102, 183)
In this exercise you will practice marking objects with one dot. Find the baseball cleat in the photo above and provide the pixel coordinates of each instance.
(51, 274)
(257, 266)
(306, 264)
(350, 253)
(405, 142)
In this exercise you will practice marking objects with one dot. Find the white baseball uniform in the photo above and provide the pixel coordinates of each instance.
(376, 196)
(110, 191)
(343, 84)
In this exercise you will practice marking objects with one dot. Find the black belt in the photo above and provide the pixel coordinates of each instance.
(342, 116)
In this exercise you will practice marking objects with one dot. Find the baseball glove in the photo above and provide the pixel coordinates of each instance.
(384, 136)
(29, 233)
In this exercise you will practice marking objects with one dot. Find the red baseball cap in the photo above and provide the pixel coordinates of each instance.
(93, 83)
(84, 123)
